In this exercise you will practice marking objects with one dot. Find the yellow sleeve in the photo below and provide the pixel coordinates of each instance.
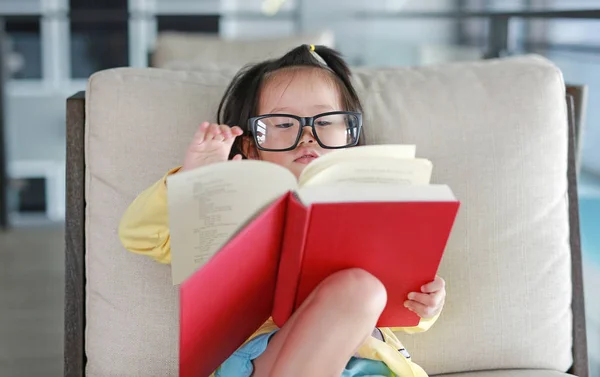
(144, 227)
(424, 325)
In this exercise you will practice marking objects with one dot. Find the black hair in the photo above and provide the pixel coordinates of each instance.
(240, 101)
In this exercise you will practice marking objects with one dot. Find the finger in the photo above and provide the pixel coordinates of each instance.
(425, 298)
(225, 131)
(201, 132)
(203, 127)
(212, 131)
(232, 137)
(437, 285)
(237, 157)
(232, 132)
(236, 131)
(219, 132)
(421, 310)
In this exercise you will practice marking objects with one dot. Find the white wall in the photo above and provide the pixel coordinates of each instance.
(581, 69)
(36, 128)
(374, 41)
(577, 68)
(245, 28)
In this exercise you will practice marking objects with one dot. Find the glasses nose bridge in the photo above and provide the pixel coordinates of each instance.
(306, 122)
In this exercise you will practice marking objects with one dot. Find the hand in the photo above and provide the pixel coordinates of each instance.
(430, 301)
(212, 143)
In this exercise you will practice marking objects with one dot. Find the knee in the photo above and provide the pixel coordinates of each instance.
(354, 288)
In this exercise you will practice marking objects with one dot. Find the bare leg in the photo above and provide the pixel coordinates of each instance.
(327, 329)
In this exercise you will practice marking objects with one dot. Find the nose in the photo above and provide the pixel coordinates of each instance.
(307, 135)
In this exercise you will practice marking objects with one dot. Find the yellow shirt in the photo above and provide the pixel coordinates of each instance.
(144, 230)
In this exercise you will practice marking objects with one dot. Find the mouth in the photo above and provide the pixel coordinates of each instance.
(306, 157)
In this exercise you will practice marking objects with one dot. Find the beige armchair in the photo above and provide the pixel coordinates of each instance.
(498, 132)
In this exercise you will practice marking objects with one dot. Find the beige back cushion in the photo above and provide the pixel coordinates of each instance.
(496, 133)
(177, 50)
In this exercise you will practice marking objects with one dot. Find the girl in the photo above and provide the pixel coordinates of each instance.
(291, 111)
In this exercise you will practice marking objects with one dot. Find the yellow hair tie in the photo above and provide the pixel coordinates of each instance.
(318, 57)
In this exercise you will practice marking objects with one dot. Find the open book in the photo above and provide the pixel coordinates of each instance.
(249, 241)
(208, 206)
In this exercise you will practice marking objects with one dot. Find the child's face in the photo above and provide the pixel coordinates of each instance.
(304, 92)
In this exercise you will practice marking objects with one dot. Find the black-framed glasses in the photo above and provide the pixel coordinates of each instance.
(282, 132)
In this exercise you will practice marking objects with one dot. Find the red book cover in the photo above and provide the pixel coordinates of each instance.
(227, 299)
(399, 243)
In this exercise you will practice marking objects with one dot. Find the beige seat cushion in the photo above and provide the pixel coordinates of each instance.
(510, 373)
(177, 50)
(496, 133)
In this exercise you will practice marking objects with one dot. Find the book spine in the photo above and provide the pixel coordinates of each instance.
(290, 263)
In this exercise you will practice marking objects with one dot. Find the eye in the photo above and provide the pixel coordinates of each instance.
(284, 125)
(323, 123)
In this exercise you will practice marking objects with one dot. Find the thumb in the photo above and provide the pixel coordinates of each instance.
(237, 157)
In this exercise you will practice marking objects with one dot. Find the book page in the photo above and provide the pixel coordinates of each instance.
(384, 151)
(374, 193)
(209, 205)
(374, 171)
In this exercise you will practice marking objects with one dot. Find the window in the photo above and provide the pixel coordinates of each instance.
(24, 59)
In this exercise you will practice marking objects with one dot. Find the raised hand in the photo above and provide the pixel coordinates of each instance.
(212, 143)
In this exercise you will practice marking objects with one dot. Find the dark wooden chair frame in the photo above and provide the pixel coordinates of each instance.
(75, 279)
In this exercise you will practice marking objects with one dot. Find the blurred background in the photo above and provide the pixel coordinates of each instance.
(50, 48)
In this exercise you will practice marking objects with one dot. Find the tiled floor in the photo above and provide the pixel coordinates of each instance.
(32, 281)
(31, 302)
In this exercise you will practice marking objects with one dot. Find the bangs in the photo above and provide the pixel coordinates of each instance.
(284, 76)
